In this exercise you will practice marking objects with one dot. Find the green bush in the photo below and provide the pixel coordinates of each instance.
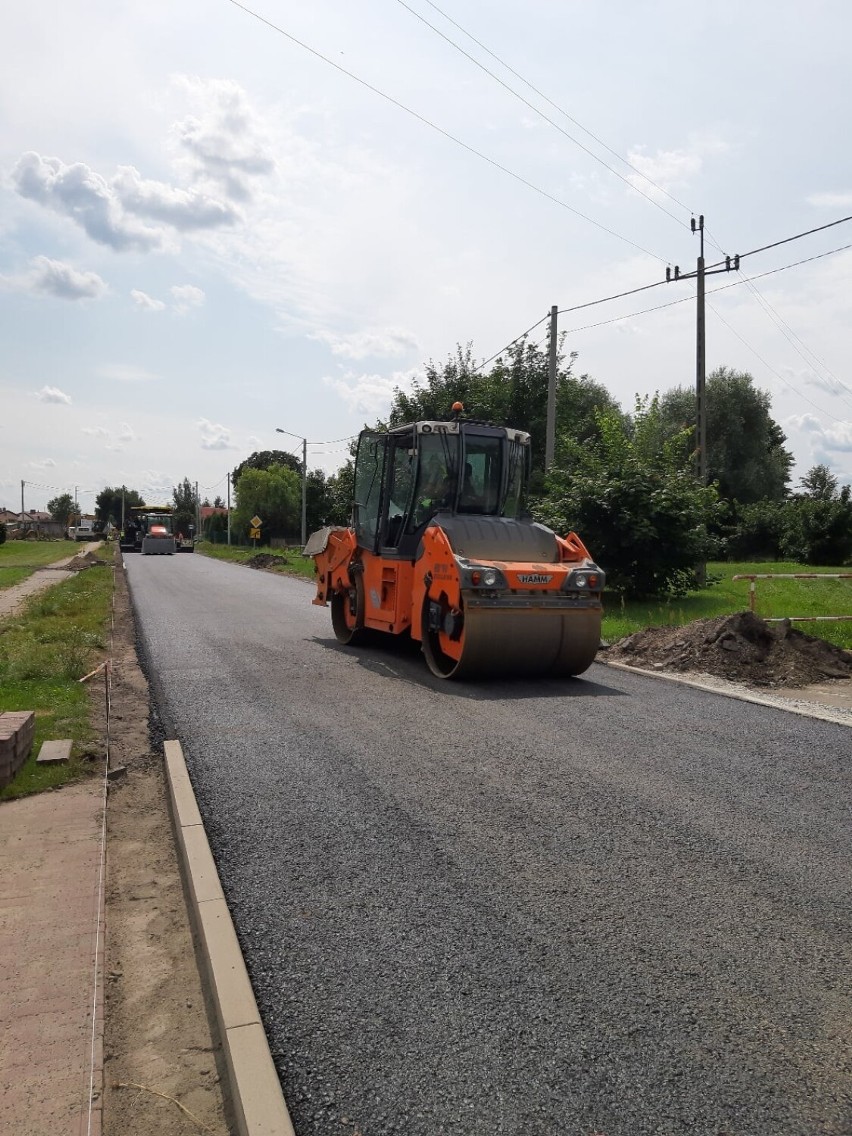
(807, 529)
(636, 505)
(2, 532)
(818, 531)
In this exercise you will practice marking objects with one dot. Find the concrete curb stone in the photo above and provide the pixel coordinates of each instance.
(258, 1102)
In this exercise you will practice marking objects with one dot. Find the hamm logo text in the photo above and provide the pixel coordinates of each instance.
(533, 578)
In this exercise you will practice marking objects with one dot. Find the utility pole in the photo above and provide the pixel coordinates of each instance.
(197, 511)
(304, 492)
(550, 436)
(304, 442)
(700, 360)
(730, 263)
(22, 501)
(229, 509)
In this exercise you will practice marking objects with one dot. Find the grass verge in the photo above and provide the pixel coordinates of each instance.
(774, 599)
(61, 635)
(292, 563)
(20, 558)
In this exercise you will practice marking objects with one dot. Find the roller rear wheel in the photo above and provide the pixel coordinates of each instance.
(347, 613)
(443, 637)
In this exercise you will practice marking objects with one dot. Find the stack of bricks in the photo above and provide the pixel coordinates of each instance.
(16, 740)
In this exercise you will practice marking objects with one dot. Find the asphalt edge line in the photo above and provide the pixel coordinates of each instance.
(258, 1101)
(823, 713)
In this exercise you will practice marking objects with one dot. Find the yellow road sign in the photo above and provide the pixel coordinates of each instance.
(254, 534)
(255, 522)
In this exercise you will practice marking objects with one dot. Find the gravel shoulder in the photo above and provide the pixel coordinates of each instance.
(161, 1056)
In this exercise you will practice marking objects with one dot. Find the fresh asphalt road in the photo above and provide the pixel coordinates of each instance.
(607, 905)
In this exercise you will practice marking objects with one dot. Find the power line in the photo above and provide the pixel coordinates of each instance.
(517, 339)
(787, 240)
(657, 307)
(616, 296)
(533, 107)
(563, 112)
(711, 292)
(794, 340)
(769, 367)
(445, 133)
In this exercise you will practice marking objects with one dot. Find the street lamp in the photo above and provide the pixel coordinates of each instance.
(304, 442)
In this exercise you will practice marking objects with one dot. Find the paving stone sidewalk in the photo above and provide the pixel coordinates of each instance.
(51, 981)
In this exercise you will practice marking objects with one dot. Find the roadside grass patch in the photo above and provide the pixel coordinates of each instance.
(775, 599)
(20, 558)
(61, 635)
(292, 562)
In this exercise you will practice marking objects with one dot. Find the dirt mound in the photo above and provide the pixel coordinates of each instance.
(83, 560)
(267, 560)
(741, 648)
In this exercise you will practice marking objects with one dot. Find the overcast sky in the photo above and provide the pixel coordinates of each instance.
(208, 231)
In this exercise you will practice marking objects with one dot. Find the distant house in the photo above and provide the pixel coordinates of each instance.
(32, 521)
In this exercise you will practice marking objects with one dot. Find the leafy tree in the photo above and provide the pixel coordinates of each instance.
(218, 503)
(340, 491)
(319, 501)
(184, 500)
(819, 531)
(2, 532)
(265, 459)
(756, 531)
(216, 528)
(636, 504)
(819, 483)
(275, 495)
(108, 504)
(745, 446)
(61, 508)
(513, 392)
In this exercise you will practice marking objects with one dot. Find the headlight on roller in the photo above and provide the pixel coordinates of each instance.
(585, 580)
(481, 576)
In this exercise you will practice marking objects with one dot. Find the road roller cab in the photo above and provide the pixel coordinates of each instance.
(439, 547)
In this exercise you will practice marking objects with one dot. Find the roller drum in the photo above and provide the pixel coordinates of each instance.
(533, 641)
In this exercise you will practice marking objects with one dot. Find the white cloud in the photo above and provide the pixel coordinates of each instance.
(830, 200)
(47, 463)
(85, 197)
(370, 394)
(183, 209)
(824, 382)
(146, 302)
(58, 279)
(214, 436)
(186, 296)
(53, 394)
(824, 439)
(126, 373)
(224, 143)
(122, 438)
(117, 438)
(670, 168)
(110, 211)
(387, 342)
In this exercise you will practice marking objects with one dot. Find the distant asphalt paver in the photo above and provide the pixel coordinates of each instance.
(604, 905)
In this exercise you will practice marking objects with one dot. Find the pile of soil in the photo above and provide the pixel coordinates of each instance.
(267, 560)
(83, 560)
(741, 648)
